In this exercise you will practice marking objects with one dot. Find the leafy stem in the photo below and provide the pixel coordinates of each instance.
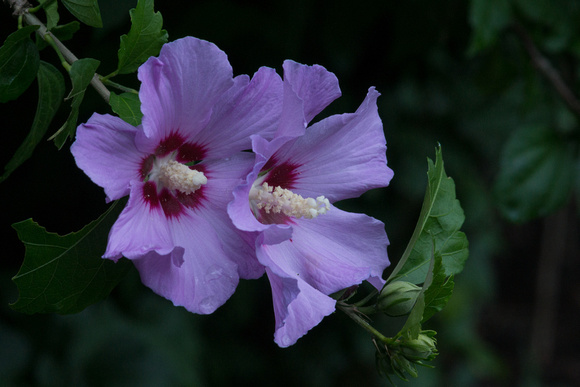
(65, 53)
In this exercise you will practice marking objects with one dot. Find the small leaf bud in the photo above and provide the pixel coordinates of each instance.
(424, 347)
(398, 298)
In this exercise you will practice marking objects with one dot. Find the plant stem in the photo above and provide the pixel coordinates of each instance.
(353, 313)
(118, 86)
(65, 53)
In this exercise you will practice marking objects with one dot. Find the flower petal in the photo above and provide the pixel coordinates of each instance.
(205, 279)
(332, 251)
(342, 156)
(180, 88)
(314, 85)
(140, 228)
(298, 307)
(245, 109)
(104, 149)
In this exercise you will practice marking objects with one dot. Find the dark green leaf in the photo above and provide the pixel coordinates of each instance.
(439, 291)
(19, 62)
(51, 9)
(536, 174)
(50, 94)
(81, 74)
(87, 11)
(63, 33)
(144, 39)
(487, 18)
(127, 106)
(65, 274)
(439, 222)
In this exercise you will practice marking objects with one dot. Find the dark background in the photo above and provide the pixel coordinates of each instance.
(444, 78)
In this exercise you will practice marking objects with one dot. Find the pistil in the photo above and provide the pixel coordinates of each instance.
(177, 176)
(280, 200)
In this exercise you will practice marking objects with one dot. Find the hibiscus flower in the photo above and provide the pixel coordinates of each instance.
(179, 168)
(309, 248)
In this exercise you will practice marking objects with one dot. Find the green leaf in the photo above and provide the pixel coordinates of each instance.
(536, 174)
(51, 9)
(65, 274)
(87, 11)
(439, 223)
(81, 74)
(19, 61)
(144, 39)
(487, 18)
(439, 291)
(127, 106)
(50, 94)
(63, 33)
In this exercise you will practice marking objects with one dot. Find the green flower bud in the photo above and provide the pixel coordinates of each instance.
(424, 347)
(398, 298)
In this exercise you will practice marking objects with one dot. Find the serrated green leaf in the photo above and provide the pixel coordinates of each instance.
(536, 174)
(439, 291)
(50, 95)
(87, 11)
(439, 223)
(65, 274)
(63, 33)
(81, 74)
(144, 39)
(51, 9)
(127, 106)
(19, 61)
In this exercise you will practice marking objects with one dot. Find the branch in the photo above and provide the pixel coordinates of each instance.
(20, 8)
(543, 66)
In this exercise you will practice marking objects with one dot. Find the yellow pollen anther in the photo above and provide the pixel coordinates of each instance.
(177, 176)
(281, 200)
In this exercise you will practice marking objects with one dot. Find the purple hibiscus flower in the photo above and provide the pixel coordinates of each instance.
(310, 248)
(179, 169)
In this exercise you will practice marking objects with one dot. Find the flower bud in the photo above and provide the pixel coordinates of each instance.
(398, 298)
(422, 348)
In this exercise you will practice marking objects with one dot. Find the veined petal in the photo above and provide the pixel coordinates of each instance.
(140, 228)
(104, 149)
(332, 251)
(180, 88)
(223, 176)
(245, 109)
(298, 307)
(341, 156)
(206, 277)
(314, 85)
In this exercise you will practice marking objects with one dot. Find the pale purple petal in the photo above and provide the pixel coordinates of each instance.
(139, 229)
(105, 150)
(297, 308)
(244, 110)
(342, 156)
(314, 85)
(223, 175)
(332, 251)
(180, 88)
(206, 278)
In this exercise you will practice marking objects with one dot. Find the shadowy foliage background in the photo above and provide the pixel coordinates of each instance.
(464, 74)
